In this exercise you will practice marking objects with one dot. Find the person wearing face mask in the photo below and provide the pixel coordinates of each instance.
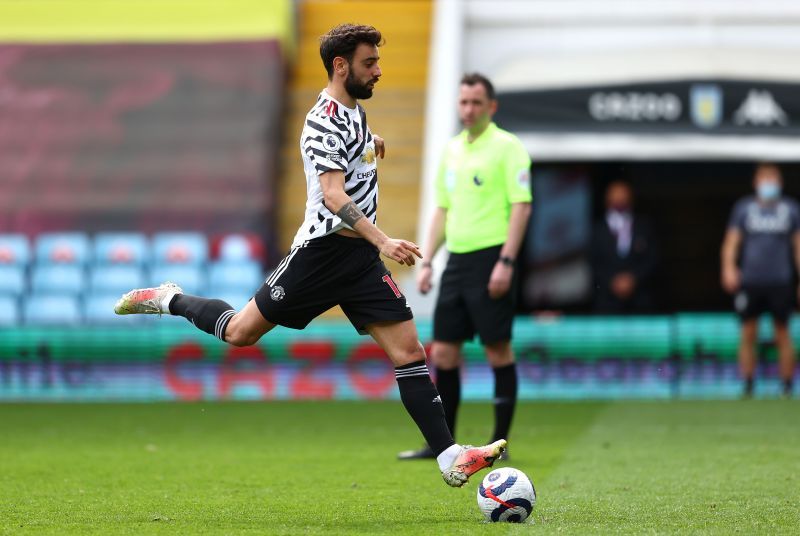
(624, 256)
(764, 236)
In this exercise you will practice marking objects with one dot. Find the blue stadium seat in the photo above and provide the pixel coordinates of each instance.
(14, 249)
(180, 248)
(12, 280)
(241, 275)
(65, 248)
(121, 248)
(192, 279)
(51, 309)
(58, 278)
(241, 247)
(98, 308)
(116, 278)
(9, 311)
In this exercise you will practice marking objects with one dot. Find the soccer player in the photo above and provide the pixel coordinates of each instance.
(764, 233)
(335, 256)
(483, 196)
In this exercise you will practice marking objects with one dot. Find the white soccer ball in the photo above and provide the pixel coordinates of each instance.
(506, 494)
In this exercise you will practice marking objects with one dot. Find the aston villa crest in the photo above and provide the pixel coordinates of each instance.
(705, 103)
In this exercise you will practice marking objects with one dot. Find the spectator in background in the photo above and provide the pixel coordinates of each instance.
(623, 256)
(764, 236)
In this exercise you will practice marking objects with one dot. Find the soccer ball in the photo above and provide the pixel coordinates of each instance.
(506, 494)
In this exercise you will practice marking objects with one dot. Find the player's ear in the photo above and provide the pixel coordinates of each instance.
(340, 66)
(492, 106)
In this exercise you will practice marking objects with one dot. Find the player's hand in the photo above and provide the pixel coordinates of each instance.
(730, 280)
(424, 277)
(401, 251)
(623, 285)
(500, 280)
(380, 146)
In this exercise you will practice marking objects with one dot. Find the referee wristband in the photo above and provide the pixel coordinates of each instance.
(508, 261)
(426, 265)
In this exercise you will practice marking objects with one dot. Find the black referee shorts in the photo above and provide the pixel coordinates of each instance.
(328, 271)
(777, 300)
(464, 307)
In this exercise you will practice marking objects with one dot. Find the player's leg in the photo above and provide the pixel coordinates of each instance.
(421, 399)
(419, 396)
(446, 358)
(213, 316)
(748, 307)
(501, 359)
(451, 326)
(747, 353)
(781, 305)
(786, 358)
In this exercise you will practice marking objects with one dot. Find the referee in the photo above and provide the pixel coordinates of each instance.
(483, 203)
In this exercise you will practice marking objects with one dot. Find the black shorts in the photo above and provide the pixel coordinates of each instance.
(329, 271)
(464, 307)
(753, 301)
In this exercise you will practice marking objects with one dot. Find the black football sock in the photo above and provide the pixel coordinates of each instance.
(210, 315)
(748, 386)
(505, 399)
(423, 403)
(788, 386)
(448, 383)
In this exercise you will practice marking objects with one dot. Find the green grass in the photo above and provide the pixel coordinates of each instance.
(308, 468)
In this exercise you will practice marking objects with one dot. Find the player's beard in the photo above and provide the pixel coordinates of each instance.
(356, 89)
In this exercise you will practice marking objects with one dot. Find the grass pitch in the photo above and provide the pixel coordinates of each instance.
(309, 468)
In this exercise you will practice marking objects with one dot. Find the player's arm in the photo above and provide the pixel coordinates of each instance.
(796, 248)
(730, 251)
(500, 280)
(338, 202)
(520, 213)
(433, 241)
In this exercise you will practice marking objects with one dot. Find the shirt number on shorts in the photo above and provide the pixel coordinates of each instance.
(388, 280)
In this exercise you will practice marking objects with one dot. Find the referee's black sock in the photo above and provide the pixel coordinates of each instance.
(210, 315)
(505, 399)
(448, 383)
(788, 387)
(423, 403)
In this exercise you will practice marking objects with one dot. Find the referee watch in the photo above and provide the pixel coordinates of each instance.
(508, 261)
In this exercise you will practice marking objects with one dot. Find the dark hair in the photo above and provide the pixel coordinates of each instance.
(470, 79)
(765, 165)
(342, 41)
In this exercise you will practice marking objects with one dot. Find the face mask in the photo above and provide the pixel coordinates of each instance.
(768, 190)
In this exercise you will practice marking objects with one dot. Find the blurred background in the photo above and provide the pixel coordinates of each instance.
(151, 141)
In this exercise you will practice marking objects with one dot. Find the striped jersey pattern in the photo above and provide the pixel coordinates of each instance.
(336, 138)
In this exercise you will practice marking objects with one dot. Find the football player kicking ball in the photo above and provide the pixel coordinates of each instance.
(335, 256)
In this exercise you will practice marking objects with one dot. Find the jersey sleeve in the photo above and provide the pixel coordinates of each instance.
(442, 194)
(325, 144)
(736, 219)
(518, 173)
(795, 209)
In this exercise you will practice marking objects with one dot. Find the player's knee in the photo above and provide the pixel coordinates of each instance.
(445, 356)
(411, 354)
(499, 354)
(238, 335)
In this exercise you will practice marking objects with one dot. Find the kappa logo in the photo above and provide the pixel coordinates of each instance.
(277, 293)
(331, 142)
(760, 109)
(368, 156)
(478, 181)
(706, 105)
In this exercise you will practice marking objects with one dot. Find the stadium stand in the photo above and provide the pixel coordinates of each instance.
(121, 248)
(64, 248)
(12, 280)
(51, 309)
(9, 311)
(14, 249)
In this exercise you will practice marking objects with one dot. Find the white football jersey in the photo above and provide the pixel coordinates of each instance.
(335, 137)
